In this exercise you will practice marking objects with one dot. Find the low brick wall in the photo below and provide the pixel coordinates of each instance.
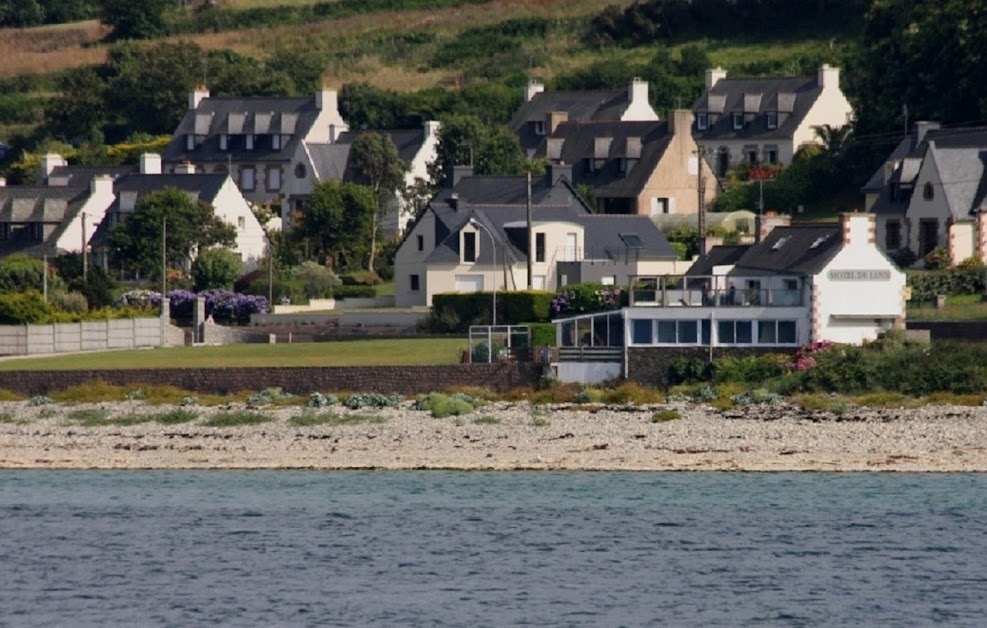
(297, 380)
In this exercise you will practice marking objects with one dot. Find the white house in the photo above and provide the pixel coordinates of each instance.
(799, 284)
(218, 190)
(932, 192)
(474, 236)
(766, 120)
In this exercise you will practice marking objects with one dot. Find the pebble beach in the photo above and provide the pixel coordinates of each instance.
(505, 436)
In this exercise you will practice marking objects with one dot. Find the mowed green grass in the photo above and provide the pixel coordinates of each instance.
(400, 352)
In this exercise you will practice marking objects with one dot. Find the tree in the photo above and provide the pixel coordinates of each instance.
(216, 267)
(97, 285)
(79, 110)
(191, 226)
(464, 139)
(377, 164)
(21, 13)
(335, 225)
(135, 20)
(317, 281)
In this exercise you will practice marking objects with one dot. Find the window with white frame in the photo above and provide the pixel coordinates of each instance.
(772, 119)
(250, 142)
(224, 141)
(750, 153)
(539, 127)
(771, 154)
(702, 121)
(678, 332)
(776, 333)
(735, 332)
(190, 142)
(276, 142)
(737, 118)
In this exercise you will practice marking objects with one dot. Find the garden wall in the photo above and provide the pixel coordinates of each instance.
(649, 365)
(406, 380)
(130, 333)
(973, 331)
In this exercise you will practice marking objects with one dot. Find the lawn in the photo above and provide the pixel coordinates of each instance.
(958, 307)
(400, 352)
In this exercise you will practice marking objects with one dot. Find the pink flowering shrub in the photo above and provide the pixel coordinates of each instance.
(803, 359)
(938, 259)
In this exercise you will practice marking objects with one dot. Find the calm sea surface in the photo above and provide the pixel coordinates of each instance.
(263, 548)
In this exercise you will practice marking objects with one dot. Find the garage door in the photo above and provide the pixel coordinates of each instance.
(469, 283)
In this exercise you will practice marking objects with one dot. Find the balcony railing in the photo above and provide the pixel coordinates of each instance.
(679, 291)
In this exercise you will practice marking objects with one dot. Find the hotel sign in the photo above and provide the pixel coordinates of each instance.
(859, 275)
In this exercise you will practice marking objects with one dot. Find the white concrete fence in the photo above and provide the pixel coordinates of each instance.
(132, 333)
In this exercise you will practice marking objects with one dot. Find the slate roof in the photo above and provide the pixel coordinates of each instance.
(499, 204)
(238, 117)
(48, 205)
(648, 140)
(204, 187)
(331, 161)
(960, 153)
(791, 97)
(581, 106)
(803, 249)
(722, 255)
(81, 176)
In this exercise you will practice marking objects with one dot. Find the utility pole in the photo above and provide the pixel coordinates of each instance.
(164, 258)
(701, 187)
(85, 251)
(531, 233)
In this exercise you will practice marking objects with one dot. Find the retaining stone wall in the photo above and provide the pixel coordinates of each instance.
(649, 365)
(297, 380)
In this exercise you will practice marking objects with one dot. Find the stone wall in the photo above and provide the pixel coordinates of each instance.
(297, 380)
(649, 365)
(972, 331)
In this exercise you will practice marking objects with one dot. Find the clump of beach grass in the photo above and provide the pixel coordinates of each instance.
(175, 417)
(90, 417)
(487, 420)
(6, 417)
(312, 419)
(441, 405)
(837, 404)
(665, 414)
(954, 399)
(9, 395)
(235, 418)
(633, 393)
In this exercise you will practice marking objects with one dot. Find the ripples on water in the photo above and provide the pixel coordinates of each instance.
(445, 548)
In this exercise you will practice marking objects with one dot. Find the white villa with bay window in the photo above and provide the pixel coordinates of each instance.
(800, 284)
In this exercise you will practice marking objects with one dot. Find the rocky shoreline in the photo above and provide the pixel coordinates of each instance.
(503, 436)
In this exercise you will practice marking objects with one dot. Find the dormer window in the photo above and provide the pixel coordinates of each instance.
(702, 121)
(250, 142)
(539, 127)
(190, 142)
(622, 165)
(737, 118)
(276, 142)
(469, 246)
(772, 119)
(224, 142)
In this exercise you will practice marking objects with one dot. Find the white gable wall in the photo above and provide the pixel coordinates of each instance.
(93, 211)
(232, 208)
(861, 292)
(831, 107)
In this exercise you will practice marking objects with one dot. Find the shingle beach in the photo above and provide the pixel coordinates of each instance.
(509, 436)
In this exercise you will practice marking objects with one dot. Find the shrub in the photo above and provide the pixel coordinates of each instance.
(633, 393)
(749, 369)
(216, 267)
(373, 400)
(24, 308)
(72, 302)
(666, 414)
(689, 371)
(175, 417)
(319, 400)
(441, 405)
(938, 259)
(756, 397)
(317, 281)
(90, 417)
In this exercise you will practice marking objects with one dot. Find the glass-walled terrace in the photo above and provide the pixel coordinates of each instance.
(717, 291)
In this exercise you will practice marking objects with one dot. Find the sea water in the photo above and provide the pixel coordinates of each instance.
(278, 548)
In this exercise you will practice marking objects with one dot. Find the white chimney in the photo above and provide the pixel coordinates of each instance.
(431, 129)
(638, 108)
(186, 167)
(829, 77)
(51, 161)
(197, 95)
(101, 185)
(532, 88)
(150, 163)
(714, 75)
(327, 99)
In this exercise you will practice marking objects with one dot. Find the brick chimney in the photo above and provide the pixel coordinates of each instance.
(553, 119)
(680, 122)
(859, 229)
(764, 224)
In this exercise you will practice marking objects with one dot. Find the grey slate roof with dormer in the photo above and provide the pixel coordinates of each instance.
(51, 206)
(81, 176)
(499, 204)
(790, 98)
(237, 118)
(580, 107)
(332, 161)
(642, 144)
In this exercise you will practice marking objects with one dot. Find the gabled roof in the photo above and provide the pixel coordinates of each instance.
(803, 249)
(81, 176)
(580, 107)
(237, 118)
(791, 97)
(331, 161)
(500, 205)
(48, 205)
(961, 173)
(722, 255)
(644, 143)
